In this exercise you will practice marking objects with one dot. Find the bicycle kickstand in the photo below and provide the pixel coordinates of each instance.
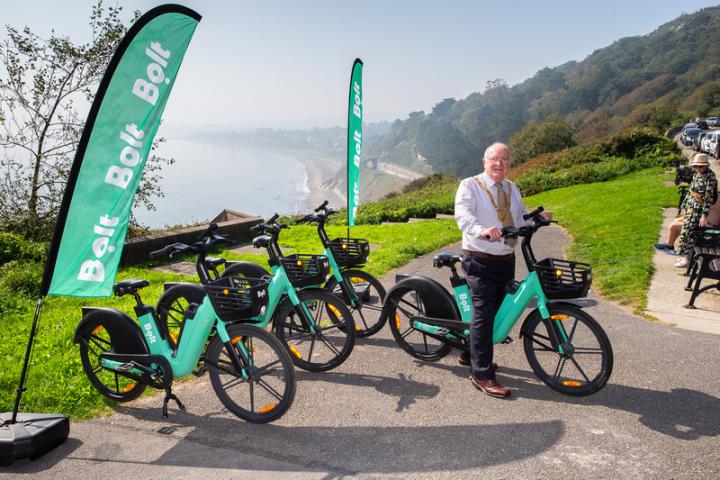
(170, 396)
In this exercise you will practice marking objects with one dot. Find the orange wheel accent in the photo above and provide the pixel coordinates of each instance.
(335, 311)
(572, 383)
(559, 316)
(397, 321)
(97, 330)
(235, 340)
(295, 351)
(357, 280)
(129, 387)
(173, 338)
(267, 408)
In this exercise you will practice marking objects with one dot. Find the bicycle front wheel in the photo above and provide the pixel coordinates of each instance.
(263, 388)
(368, 316)
(324, 339)
(581, 364)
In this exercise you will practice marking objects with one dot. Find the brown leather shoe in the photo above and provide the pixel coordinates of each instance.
(490, 387)
(464, 359)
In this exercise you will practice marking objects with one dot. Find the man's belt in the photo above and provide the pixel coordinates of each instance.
(487, 256)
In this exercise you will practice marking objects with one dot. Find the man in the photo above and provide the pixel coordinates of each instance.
(484, 204)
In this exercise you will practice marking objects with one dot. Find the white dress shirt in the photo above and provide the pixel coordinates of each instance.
(474, 213)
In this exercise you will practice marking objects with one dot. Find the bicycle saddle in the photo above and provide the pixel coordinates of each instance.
(212, 262)
(445, 259)
(262, 241)
(130, 286)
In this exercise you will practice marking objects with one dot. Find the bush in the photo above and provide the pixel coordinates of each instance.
(21, 277)
(15, 247)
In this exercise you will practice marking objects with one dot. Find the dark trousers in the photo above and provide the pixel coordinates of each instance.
(487, 279)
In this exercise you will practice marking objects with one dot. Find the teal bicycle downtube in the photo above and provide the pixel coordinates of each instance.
(514, 305)
(195, 333)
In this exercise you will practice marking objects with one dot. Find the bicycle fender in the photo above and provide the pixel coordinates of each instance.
(443, 305)
(124, 331)
(246, 269)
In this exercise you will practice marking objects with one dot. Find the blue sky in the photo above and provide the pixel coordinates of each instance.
(286, 64)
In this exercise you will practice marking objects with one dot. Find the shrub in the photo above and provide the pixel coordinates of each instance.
(15, 247)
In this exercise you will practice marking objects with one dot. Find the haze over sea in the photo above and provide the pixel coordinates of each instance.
(208, 177)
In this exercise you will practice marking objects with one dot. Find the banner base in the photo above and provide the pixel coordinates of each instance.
(33, 435)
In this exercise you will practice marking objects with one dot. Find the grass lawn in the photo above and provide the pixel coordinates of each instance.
(57, 383)
(614, 225)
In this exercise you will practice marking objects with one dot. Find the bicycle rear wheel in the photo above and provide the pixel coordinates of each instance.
(334, 336)
(97, 337)
(264, 388)
(583, 362)
(401, 306)
(368, 317)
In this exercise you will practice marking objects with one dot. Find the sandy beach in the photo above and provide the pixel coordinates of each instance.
(319, 170)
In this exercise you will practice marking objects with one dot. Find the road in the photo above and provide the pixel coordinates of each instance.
(383, 414)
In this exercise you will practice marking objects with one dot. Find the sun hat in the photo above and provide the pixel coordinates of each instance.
(700, 160)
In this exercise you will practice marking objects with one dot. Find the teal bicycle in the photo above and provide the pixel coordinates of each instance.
(361, 292)
(565, 347)
(250, 370)
(316, 327)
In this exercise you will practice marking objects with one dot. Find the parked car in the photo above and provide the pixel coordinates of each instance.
(712, 143)
(697, 141)
(708, 143)
(702, 124)
(689, 125)
(688, 135)
(713, 121)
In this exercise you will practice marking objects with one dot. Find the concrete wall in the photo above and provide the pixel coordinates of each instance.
(137, 250)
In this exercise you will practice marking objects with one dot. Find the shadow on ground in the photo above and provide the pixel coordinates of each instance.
(350, 450)
(681, 413)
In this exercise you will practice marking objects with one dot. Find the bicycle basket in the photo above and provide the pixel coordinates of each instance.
(235, 298)
(563, 278)
(349, 251)
(303, 269)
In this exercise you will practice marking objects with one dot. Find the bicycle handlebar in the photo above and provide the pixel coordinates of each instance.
(170, 250)
(322, 206)
(537, 222)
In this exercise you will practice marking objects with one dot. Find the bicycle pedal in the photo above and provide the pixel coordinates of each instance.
(125, 367)
(200, 371)
(507, 340)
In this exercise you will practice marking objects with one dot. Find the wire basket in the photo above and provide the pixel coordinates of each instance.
(303, 269)
(563, 278)
(236, 298)
(349, 251)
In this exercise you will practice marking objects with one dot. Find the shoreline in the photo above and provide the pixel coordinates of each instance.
(319, 169)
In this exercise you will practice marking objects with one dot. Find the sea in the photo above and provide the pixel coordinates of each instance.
(209, 177)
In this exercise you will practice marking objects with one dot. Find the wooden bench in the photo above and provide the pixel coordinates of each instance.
(705, 263)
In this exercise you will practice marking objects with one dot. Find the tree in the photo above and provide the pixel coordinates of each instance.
(44, 85)
(535, 138)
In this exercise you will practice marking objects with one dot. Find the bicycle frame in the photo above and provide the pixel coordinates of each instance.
(195, 333)
(517, 298)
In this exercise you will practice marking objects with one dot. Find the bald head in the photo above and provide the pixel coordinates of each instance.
(497, 161)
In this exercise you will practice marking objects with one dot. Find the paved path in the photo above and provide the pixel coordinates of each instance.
(384, 415)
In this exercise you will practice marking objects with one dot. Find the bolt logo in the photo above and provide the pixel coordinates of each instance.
(149, 334)
(464, 302)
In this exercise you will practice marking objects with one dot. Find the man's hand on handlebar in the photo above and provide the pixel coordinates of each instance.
(493, 234)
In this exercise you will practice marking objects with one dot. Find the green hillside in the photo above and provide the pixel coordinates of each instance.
(653, 80)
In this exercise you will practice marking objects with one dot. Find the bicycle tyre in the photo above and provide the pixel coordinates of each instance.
(171, 308)
(366, 325)
(536, 339)
(336, 332)
(401, 328)
(262, 347)
(95, 339)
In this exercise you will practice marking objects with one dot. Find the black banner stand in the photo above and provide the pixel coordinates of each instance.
(30, 435)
